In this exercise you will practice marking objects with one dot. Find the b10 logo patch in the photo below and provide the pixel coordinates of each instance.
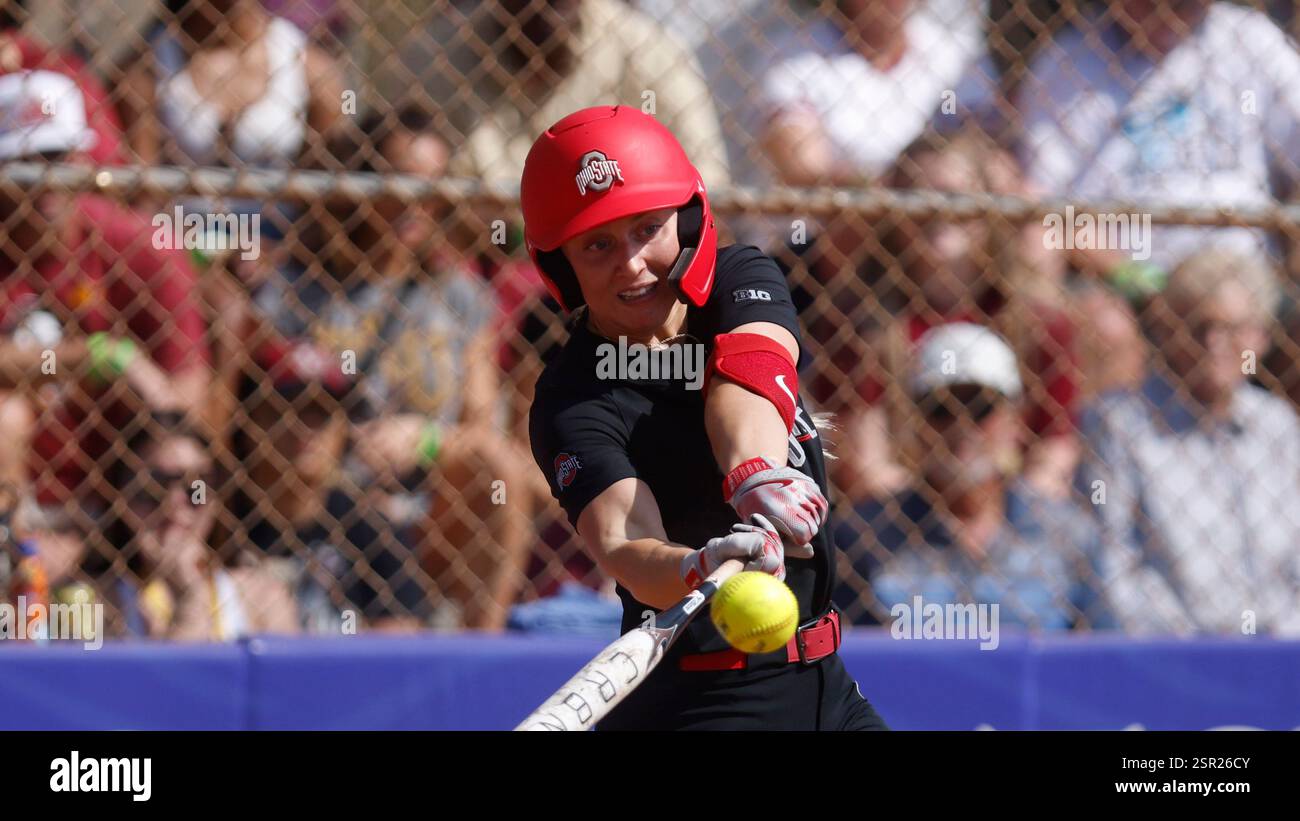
(751, 295)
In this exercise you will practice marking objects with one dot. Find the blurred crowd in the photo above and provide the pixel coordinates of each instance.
(318, 425)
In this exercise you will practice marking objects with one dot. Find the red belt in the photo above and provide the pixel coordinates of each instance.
(811, 643)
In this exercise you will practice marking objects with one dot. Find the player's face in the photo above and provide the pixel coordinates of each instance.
(622, 268)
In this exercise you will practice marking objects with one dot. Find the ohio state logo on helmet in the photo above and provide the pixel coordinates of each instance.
(597, 172)
(566, 467)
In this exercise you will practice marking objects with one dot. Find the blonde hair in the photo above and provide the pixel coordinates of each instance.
(1198, 277)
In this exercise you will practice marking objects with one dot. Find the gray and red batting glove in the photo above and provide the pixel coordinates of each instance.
(789, 499)
(758, 545)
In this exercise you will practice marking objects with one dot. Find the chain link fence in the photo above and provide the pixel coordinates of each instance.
(268, 336)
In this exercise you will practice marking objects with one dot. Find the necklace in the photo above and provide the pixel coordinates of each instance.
(679, 338)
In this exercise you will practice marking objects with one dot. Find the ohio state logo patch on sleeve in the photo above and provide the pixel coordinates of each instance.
(566, 467)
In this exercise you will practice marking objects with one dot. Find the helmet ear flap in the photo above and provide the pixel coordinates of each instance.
(690, 221)
(690, 233)
(555, 265)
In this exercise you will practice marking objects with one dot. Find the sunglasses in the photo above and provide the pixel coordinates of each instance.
(973, 402)
(1201, 331)
(160, 483)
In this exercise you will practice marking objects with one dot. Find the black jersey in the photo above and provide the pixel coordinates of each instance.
(589, 431)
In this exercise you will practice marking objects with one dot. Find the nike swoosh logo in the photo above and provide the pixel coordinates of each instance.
(780, 383)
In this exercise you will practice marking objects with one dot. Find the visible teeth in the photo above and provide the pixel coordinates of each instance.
(638, 292)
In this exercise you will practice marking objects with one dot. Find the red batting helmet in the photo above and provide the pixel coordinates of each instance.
(605, 163)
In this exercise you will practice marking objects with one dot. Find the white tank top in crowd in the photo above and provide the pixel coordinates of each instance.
(269, 132)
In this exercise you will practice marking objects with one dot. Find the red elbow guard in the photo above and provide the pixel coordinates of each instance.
(760, 364)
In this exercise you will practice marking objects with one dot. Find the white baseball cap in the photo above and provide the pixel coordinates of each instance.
(962, 353)
(41, 111)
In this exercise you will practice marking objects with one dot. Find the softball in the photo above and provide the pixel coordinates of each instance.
(755, 612)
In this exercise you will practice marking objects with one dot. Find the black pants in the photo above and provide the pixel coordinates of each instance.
(821, 696)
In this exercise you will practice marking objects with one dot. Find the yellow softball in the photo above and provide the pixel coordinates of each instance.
(755, 612)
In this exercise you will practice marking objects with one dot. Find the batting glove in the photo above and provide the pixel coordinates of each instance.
(790, 499)
(758, 545)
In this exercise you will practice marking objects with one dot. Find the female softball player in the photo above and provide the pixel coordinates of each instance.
(660, 478)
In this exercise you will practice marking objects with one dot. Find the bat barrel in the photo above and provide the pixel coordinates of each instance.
(599, 686)
(621, 667)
